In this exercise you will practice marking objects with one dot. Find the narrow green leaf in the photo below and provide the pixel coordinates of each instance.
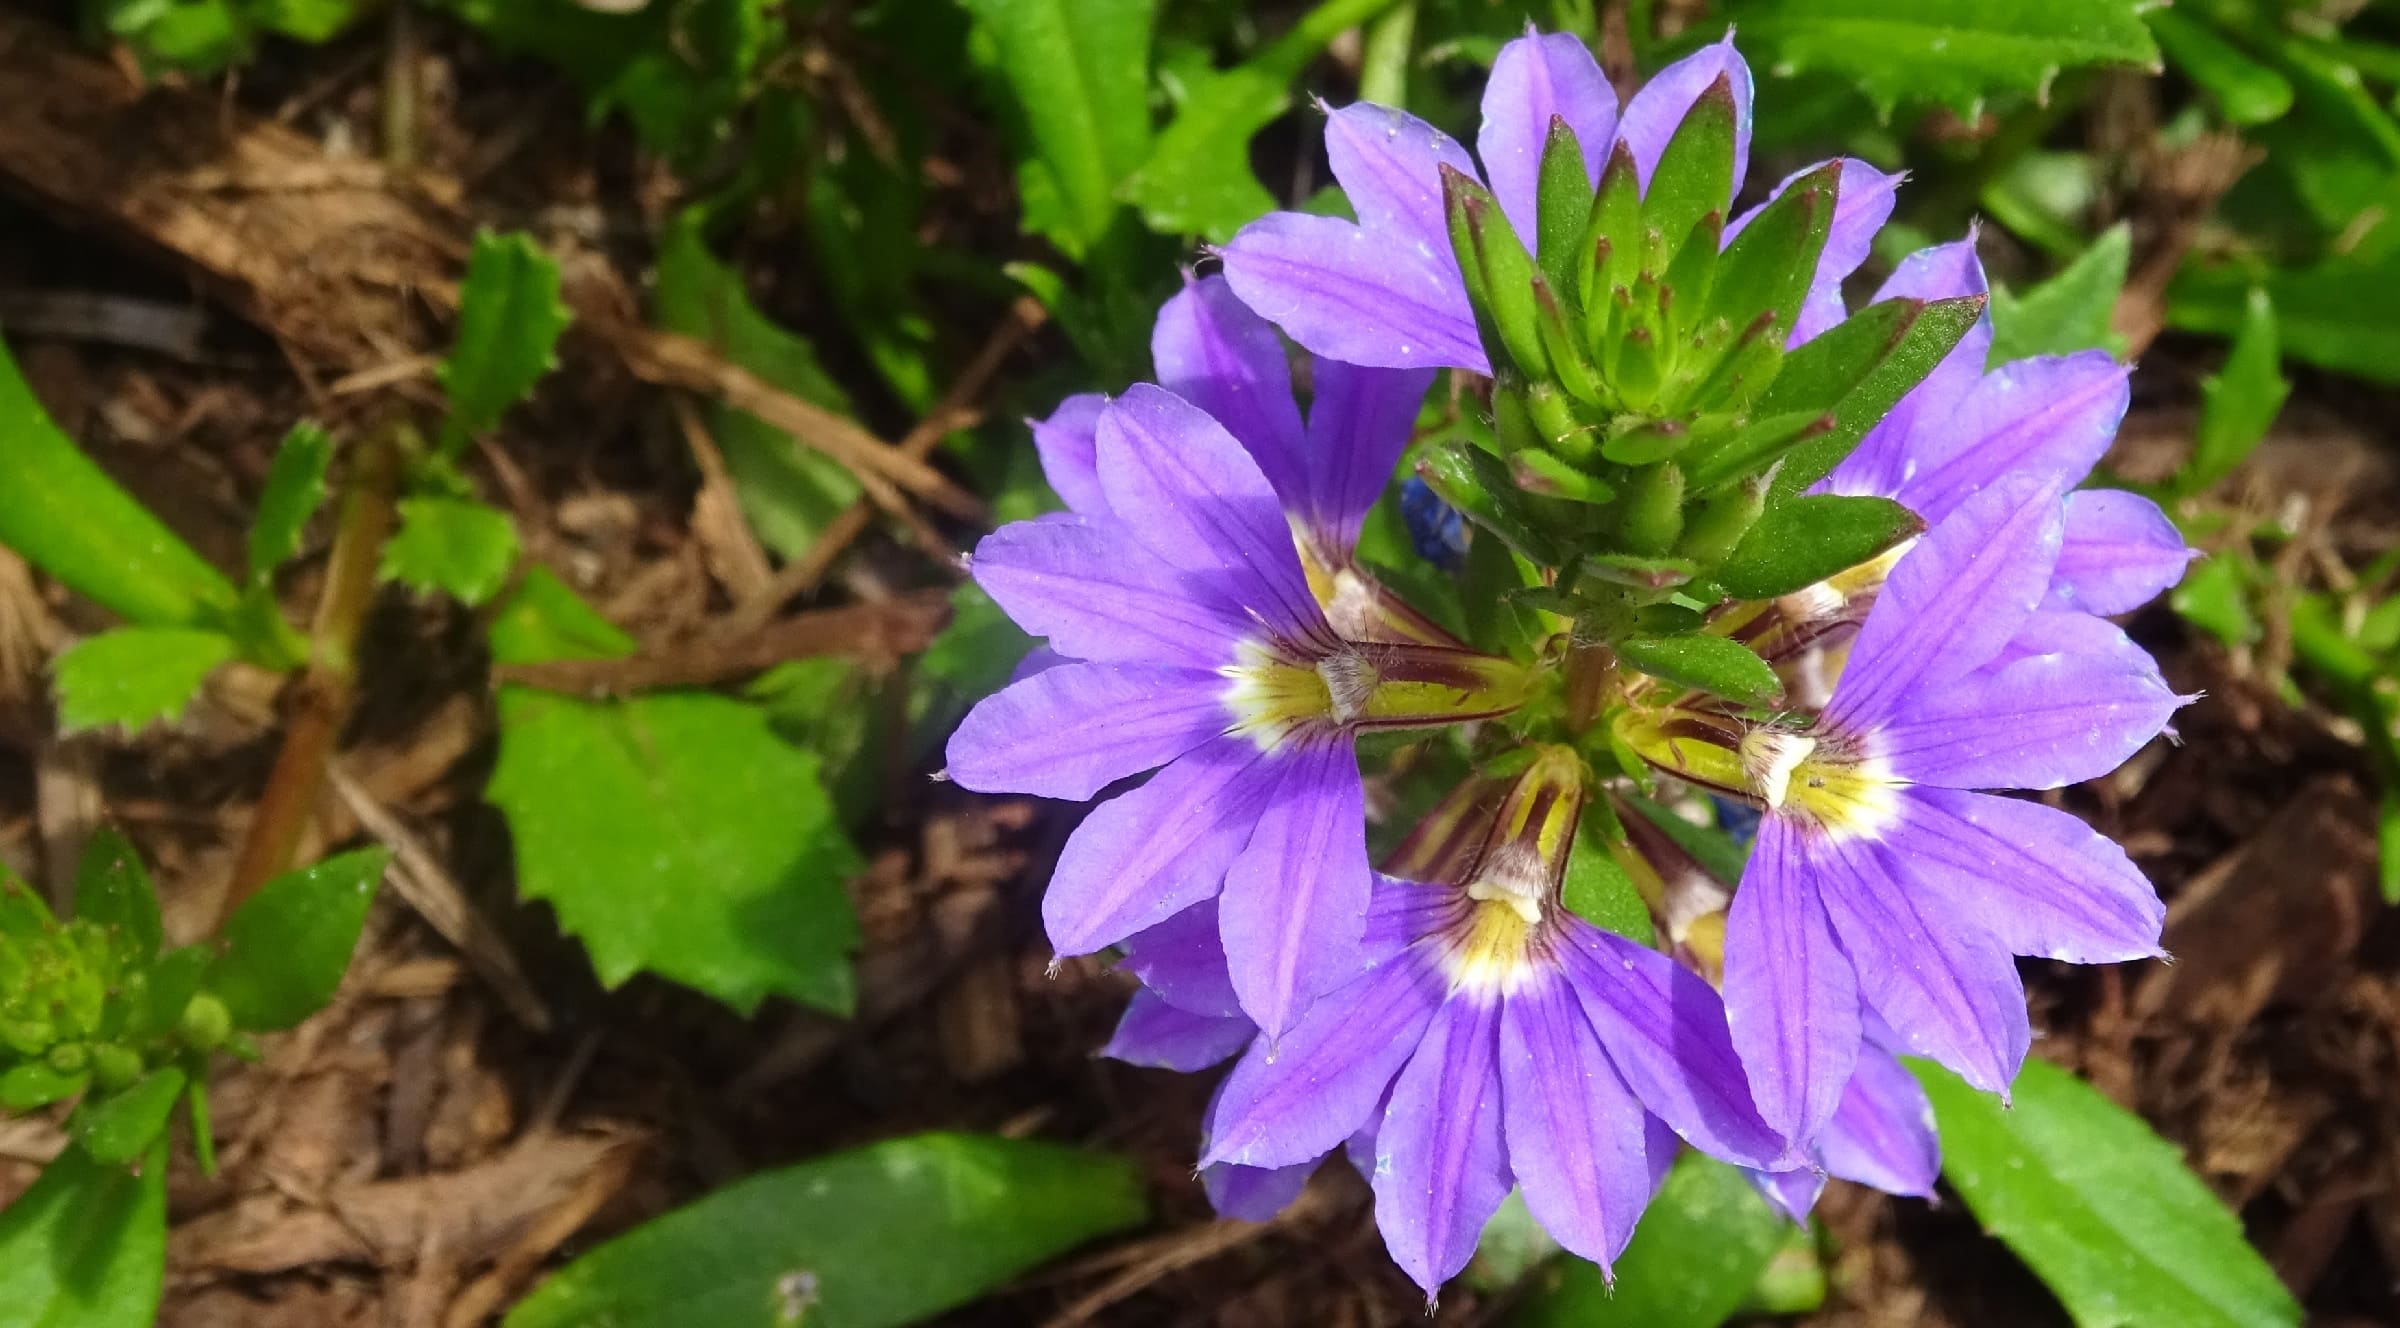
(1766, 272)
(1952, 53)
(461, 548)
(2239, 403)
(1803, 540)
(1598, 891)
(36, 1084)
(1701, 1247)
(2246, 90)
(2387, 839)
(2215, 597)
(295, 489)
(1080, 74)
(135, 676)
(1708, 663)
(1694, 175)
(638, 821)
(509, 320)
(2100, 1207)
(286, 947)
(65, 515)
(121, 1127)
(2342, 313)
(113, 890)
(1563, 198)
(879, 1237)
(86, 1247)
(2070, 311)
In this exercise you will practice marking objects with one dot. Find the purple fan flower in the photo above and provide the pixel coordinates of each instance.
(1494, 1039)
(2050, 417)
(1191, 643)
(1881, 1136)
(1387, 290)
(1881, 879)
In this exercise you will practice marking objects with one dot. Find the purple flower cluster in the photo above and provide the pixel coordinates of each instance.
(1449, 1022)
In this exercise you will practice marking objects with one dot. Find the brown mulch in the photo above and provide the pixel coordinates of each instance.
(474, 1109)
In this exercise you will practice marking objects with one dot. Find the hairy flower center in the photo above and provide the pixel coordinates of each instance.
(1491, 948)
(1840, 787)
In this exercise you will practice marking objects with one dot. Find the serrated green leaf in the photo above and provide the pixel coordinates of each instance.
(1803, 540)
(545, 621)
(882, 1236)
(1080, 74)
(2101, 1208)
(120, 1127)
(294, 491)
(2070, 311)
(509, 320)
(2239, 403)
(788, 492)
(135, 676)
(1953, 53)
(86, 1247)
(463, 549)
(1708, 663)
(113, 890)
(65, 515)
(286, 948)
(1700, 1249)
(638, 821)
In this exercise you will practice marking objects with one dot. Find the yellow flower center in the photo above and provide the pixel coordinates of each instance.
(1844, 789)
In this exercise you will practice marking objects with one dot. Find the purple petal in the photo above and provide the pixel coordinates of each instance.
(1064, 442)
(1183, 961)
(1154, 1033)
(1069, 732)
(1537, 76)
(1040, 659)
(1793, 1192)
(1401, 913)
(2037, 880)
(2049, 418)
(1295, 901)
(1358, 425)
(1664, 1030)
(1952, 602)
(1441, 1167)
(2117, 553)
(1656, 111)
(1947, 989)
(1352, 295)
(2071, 699)
(1213, 352)
(1574, 1131)
(1097, 595)
(1254, 1194)
(1660, 1147)
(1883, 1134)
(1188, 492)
(1791, 996)
(1145, 855)
(1290, 1103)
(1884, 460)
(1389, 163)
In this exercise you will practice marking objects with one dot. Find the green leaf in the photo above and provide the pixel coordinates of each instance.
(1708, 663)
(639, 821)
(135, 676)
(1197, 178)
(38, 1084)
(1952, 53)
(1702, 1245)
(187, 36)
(545, 621)
(2215, 597)
(286, 947)
(509, 320)
(112, 890)
(86, 1247)
(2341, 314)
(1598, 890)
(1803, 540)
(2100, 1207)
(2070, 311)
(2387, 839)
(788, 492)
(1080, 74)
(65, 515)
(461, 548)
(2246, 90)
(295, 489)
(878, 1237)
(2239, 403)
(120, 1127)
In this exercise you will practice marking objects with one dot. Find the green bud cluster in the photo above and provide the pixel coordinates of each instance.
(1647, 410)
